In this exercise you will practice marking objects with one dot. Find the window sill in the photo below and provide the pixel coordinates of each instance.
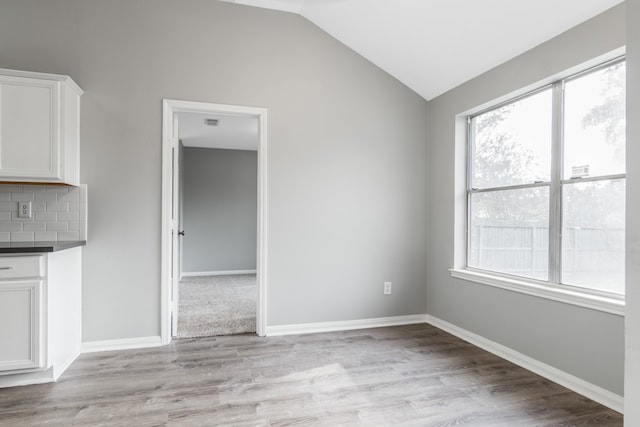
(568, 296)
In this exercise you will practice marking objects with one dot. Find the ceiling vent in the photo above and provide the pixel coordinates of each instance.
(211, 122)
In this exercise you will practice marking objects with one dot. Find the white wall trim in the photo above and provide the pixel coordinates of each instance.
(57, 371)
(346, 325)
(169, 108)
(26, 378)
(591, 391)
(216, 273)
(122, 344)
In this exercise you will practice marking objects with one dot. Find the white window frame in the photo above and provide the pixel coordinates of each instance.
(553, 288)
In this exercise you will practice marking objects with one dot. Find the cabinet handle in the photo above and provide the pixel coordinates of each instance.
(6, 268)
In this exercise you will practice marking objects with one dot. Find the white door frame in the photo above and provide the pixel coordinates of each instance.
(169, 108)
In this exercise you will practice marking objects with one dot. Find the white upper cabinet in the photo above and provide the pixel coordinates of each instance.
(39, 128)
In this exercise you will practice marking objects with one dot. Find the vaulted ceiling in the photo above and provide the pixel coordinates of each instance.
(433, 46)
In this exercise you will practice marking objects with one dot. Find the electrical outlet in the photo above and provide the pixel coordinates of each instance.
(387, 288)
(24, 209)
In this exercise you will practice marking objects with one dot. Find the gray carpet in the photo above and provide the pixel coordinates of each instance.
(217, 305)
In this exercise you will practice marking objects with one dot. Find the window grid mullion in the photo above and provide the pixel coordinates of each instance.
(510, 187)
(555, 191)
(593, 179)
(470, 145)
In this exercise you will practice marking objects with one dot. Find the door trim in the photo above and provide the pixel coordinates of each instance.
(169, 108)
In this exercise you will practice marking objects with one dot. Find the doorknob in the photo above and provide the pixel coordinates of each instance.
(181, 233)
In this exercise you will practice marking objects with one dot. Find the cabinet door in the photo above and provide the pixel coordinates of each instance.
(29, 129)
(21, 325)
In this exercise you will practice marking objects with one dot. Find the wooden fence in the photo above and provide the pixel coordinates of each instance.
(588, 254)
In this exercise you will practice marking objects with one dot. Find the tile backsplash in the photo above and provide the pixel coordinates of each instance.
(57, 213)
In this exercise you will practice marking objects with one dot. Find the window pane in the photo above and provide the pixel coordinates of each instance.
(512, 144)
(595, 123)
(509, 232)
(593, 235)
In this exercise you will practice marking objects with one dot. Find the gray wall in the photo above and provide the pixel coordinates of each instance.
(632, 316)
(586, 343)
(220, 196)
(347, 180)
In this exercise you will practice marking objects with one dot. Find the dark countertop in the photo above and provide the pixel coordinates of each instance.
(46, 246)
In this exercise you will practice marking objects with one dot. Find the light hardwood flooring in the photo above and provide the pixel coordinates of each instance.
(414, 375)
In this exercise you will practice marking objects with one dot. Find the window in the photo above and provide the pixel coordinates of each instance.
(546, 184)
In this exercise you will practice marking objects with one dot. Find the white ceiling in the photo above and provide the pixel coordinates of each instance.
(435, 45)
(232, 132)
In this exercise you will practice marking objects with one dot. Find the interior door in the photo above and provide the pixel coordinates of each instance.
(181, 206)
(175, 225)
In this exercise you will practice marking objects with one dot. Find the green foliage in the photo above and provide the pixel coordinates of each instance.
(610, 114)
(498, 160)
(498, 157)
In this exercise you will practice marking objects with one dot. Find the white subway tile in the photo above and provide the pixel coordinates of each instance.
(68, 216)
(57, 189)
(68, 235)
(83, 192)
(57, 226)
(57, 207)
(83, 230)
(10, 226)
(46, 216)
(72, 196)
(22, 236)
(11, 188)
(46, 197)
(83, 212)
(44, 236)
(15, 218)
(22, 197)
(8, 206)
(59, 213)
(34, 226)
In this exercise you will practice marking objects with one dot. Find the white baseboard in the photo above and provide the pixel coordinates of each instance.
(59, 370)
(593, 392)
(122, 344)
(215, 273)
(36, 377)
(27, 378)
(311, 328)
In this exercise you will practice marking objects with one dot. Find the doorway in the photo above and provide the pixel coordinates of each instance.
(172, 181)
(218, 219)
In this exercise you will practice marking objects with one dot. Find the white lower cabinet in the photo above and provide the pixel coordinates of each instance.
(20, 326)
(40, 316)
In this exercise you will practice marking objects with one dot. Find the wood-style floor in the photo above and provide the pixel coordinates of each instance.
(408, 375)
